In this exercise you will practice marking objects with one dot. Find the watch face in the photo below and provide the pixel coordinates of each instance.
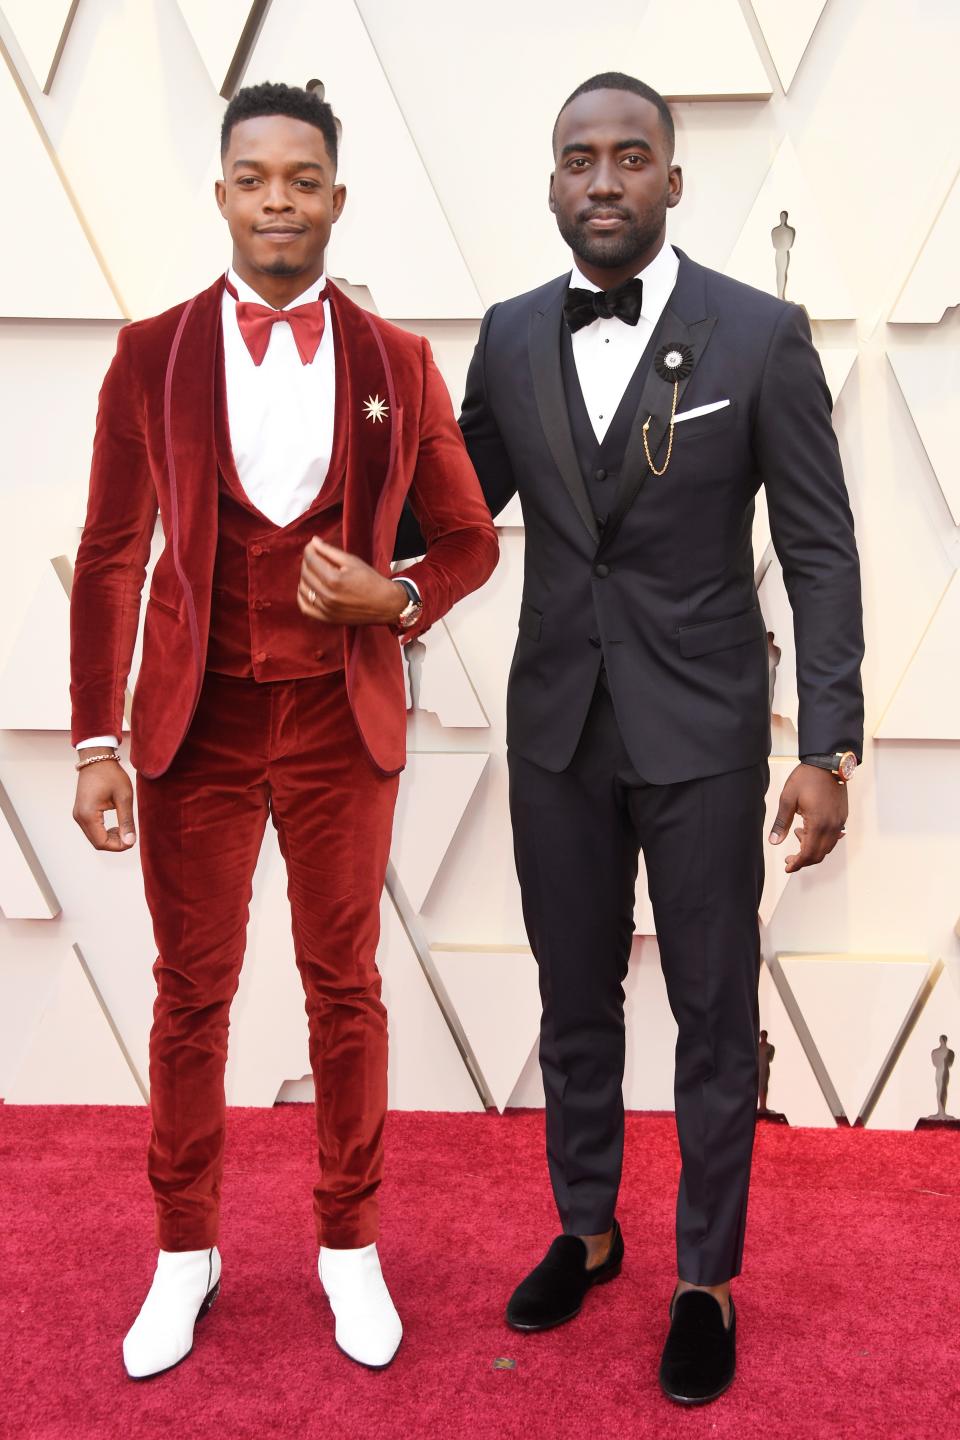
(847, 765)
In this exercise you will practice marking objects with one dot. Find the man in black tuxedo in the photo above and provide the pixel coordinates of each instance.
(638, 405)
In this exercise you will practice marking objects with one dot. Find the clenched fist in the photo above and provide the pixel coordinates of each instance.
(344, 590)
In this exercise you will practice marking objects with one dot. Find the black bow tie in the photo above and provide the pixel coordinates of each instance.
(582, 307)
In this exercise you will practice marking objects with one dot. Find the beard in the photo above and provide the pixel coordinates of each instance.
(280, 267)
(611, 252)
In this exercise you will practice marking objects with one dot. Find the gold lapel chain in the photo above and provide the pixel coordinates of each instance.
(673, 363)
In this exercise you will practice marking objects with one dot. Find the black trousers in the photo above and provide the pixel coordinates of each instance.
(577, 836)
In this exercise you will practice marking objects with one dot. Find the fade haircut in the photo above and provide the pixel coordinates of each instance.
(290, 100)
(616, 80)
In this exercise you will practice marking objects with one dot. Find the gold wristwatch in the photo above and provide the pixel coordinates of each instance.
(842, 763)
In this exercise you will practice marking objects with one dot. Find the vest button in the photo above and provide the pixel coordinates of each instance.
(595, 641)
(601, 571)
(600, 475)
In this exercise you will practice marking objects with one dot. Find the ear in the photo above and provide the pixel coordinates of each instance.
(339, 200)
(674, 186)
(551, 198)
(220, 191)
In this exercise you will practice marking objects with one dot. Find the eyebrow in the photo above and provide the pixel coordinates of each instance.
(635, 144)
(294, 165)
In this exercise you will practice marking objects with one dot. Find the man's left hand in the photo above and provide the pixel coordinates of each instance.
(821, 801)
(344, 590)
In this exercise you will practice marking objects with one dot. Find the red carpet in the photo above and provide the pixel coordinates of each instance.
(848, 1308)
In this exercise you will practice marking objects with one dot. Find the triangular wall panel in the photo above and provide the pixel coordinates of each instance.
(926, 703)
(714, 58)
(793, 1090)
(421, 271)
(435, 790)
(855, 1008)
(217, 28)
(49, 269)
(41, 28)
(25, 891)
(74, 1057)
(497, 1001)
(813, 276)
(35, 683)
(930, 381)
(933, 285)
(787, 26)
(437, 681)
(910, 1092)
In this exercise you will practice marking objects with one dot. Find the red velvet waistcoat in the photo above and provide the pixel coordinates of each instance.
(256, 628)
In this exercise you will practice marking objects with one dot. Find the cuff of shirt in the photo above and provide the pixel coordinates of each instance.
(103, 742)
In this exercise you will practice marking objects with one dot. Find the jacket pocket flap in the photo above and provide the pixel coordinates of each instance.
(529, 622)
(720, 634)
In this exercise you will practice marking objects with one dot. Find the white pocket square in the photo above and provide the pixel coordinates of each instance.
(700, 410)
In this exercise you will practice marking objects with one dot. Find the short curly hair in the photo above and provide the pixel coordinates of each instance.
(267, 99)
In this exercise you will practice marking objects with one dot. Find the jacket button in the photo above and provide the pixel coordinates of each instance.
(595, 641)
(256, 549)
(260, 656)
(600, 474)
(601, 571)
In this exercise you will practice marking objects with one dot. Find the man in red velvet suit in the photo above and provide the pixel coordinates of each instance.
(278, 429)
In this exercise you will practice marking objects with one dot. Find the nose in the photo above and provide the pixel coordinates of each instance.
(276, 197)
(605, 179)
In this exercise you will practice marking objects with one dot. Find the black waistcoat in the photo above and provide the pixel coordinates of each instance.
(601, 460)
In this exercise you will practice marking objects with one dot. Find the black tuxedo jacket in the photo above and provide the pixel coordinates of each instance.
(663, 593)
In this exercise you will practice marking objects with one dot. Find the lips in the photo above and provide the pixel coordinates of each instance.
(605, 220)
(281, 232)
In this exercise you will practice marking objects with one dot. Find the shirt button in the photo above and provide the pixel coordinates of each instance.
(600, 474)
(601, 571)
(595, 641)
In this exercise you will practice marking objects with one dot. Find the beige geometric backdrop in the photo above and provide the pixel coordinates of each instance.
(843, 113)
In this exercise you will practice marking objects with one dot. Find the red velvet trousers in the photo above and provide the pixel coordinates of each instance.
(291, 750)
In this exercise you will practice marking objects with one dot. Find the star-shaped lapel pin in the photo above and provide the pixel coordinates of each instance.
(375, 408)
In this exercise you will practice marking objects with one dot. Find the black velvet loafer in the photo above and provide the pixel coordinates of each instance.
(700, 1356)
(553, 1292)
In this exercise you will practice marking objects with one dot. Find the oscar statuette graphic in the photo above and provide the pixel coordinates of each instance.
(941, 1059)
(766, 1054)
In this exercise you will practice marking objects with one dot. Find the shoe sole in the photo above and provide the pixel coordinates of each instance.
(211, 1295)
(552, 1324)
(690, 1401)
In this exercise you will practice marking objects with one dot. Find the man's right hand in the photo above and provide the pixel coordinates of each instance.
(102, 787)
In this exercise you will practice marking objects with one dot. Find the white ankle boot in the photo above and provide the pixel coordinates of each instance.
(184, 1287)
(368, 1328)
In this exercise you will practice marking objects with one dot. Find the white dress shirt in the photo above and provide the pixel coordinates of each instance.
(280, 413)
(607, 352)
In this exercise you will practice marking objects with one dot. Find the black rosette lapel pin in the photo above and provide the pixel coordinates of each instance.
(673, 362)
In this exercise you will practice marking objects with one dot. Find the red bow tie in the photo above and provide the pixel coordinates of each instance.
(257, 321)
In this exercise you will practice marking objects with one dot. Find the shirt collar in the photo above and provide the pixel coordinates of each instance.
(659, 278)
(247, 293)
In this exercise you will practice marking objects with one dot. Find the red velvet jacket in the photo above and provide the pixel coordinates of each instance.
(155, 448)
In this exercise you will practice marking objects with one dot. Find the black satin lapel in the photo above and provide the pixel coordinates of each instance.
(552, 405)
(656, 401)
